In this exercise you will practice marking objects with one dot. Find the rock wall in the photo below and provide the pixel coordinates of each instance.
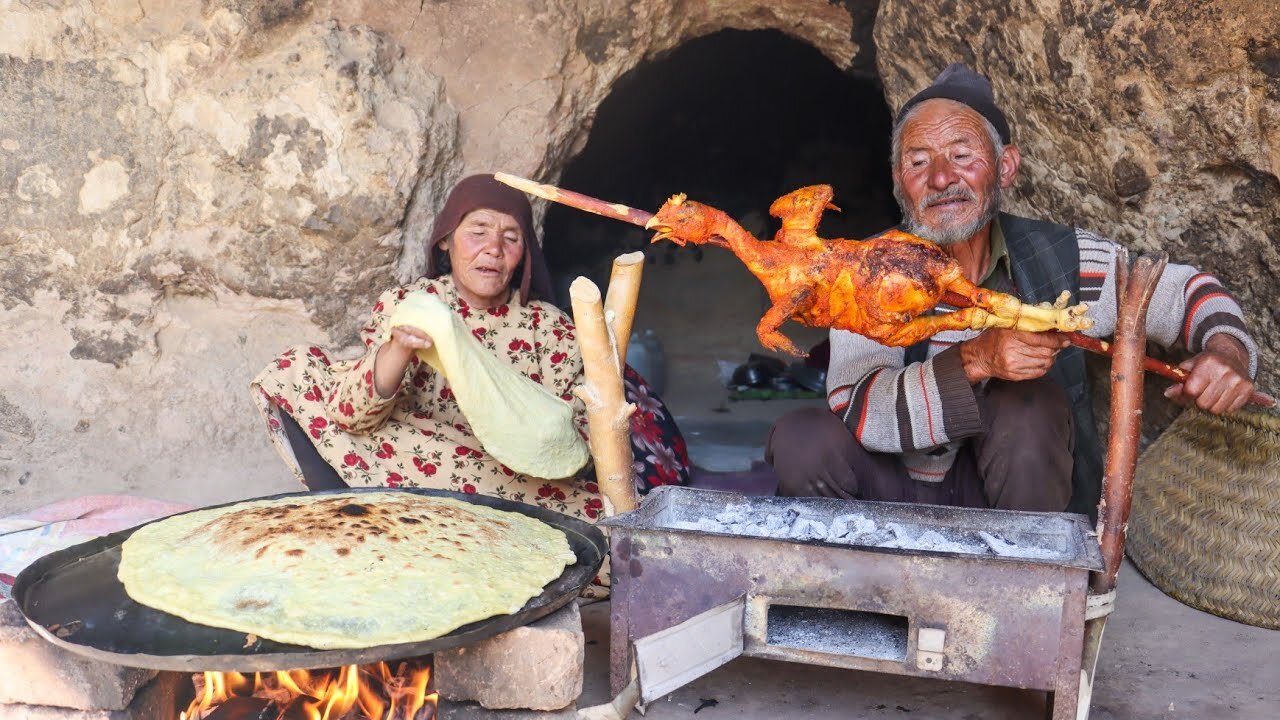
(186, 188)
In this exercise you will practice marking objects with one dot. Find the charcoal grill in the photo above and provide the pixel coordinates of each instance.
(970, 614)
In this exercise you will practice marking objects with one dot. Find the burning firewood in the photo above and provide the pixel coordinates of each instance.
(372, 692)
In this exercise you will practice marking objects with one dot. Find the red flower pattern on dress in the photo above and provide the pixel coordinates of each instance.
(353, 460)
(386, 452)
(316, 425)
(281, 364)
(468, 488)
(424, 467)
(395, 479)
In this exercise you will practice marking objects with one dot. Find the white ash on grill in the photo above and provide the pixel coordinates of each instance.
(794, 523)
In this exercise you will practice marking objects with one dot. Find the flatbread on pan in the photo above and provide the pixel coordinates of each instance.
(348, 570)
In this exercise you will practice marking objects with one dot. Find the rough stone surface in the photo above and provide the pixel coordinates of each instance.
(38, 672)
(187, 188)
(535, 667)
(160, 699)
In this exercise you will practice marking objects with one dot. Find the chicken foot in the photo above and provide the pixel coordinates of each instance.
(1007, 311)
(767, 330)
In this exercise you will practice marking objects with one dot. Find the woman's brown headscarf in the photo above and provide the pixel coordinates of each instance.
(483, 191)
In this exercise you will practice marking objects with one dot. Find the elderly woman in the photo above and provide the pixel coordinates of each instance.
(388, 419)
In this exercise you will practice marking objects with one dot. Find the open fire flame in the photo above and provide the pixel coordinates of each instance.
(366, 692)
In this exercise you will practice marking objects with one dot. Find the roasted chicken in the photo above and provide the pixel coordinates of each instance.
(880, 287)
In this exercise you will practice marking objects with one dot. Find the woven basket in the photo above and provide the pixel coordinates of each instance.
(1205, 524)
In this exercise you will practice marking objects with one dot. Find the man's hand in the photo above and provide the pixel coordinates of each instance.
(393, 357)
(1218, 380)
(1010, 354)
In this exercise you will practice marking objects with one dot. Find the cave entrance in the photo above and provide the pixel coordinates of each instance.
(734, 119)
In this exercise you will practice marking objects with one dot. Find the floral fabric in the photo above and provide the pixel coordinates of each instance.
(659, 451)
(418, 437)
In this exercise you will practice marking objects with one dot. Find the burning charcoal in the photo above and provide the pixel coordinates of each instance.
(735, 514)
(244, 708)
(776, 526)
(848, 528)
(806, 529)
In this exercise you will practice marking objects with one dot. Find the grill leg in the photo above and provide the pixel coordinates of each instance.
(620, 585)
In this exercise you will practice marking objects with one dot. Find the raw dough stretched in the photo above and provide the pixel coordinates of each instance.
(519, 422)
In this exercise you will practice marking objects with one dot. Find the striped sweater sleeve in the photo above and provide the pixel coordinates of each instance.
(1187, 309)
(891, 408)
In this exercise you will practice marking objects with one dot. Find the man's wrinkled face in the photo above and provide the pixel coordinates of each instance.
(947, 176)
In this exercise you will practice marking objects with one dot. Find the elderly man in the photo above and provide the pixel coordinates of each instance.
(999, 418)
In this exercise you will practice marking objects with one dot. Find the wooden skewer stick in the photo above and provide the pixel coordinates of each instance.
(617, 211)
(1102, 347)
(640, 217)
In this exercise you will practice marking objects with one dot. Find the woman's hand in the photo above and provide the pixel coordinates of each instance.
(394, 356)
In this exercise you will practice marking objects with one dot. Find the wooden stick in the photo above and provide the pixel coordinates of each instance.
(608, 412)
(617, 211)
(1102, 347)
(620, 300)
(1126, 413)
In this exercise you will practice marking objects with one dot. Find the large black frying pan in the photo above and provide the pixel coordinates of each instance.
(74, 598)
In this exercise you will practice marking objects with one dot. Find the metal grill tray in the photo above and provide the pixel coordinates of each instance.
(77, 589)
(1067, 537)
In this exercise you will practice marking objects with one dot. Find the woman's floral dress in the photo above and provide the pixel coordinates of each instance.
(418, 437)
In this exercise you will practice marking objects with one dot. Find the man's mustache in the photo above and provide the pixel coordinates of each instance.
(956, 192)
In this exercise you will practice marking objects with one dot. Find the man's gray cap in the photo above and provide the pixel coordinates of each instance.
(960, 83)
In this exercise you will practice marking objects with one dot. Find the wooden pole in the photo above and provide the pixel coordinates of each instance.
(608, 412)
(1126, 412)
(620, 300)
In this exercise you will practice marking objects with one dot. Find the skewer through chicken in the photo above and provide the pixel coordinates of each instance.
(880, 287)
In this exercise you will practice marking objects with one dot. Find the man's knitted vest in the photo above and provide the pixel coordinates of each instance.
(1045, 260)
